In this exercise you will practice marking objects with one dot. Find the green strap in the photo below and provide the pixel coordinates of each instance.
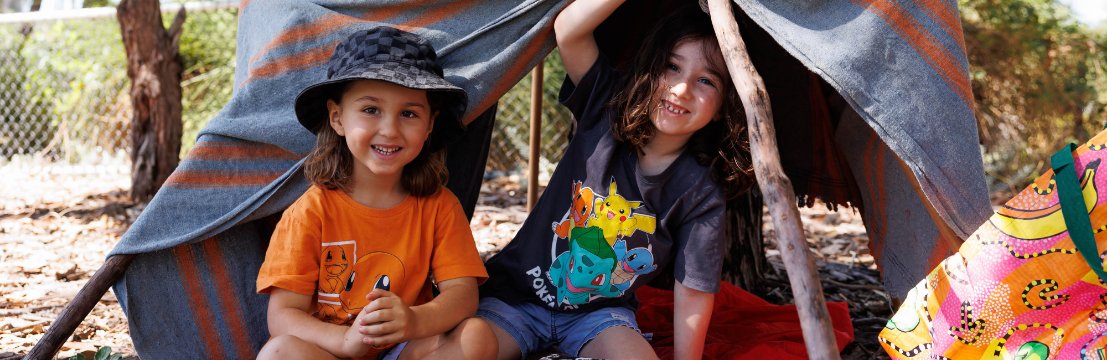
(1073, 208)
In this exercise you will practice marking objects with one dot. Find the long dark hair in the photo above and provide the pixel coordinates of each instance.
(330, 163)
(723, 144)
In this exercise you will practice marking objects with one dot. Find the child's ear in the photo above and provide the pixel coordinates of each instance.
(334, 117)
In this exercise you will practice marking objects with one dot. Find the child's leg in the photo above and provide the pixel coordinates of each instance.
(291, 347)
(606, 333)
(508, 349)
(618, 342)
(519, 329)
(470, 339)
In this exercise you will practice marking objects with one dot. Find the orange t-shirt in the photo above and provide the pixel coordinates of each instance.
(334, 249)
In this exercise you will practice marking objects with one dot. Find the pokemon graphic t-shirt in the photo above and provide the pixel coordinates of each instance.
(601, 228)
(336, 250)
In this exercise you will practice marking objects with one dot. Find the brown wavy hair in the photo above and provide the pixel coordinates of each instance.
(330, 163)
(723, 144)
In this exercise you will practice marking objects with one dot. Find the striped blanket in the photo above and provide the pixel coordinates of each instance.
(899, 140)
(907, 139)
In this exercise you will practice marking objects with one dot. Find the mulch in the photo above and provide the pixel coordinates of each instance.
(57, 225)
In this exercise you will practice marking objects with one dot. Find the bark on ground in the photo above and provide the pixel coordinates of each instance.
(57, 224)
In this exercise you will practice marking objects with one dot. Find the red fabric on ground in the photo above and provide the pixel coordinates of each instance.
(743, 326)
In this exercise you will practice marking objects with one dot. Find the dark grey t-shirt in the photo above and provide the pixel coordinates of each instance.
(601, 228)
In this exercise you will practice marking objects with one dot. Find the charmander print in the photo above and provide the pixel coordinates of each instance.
(579, 214)
(343, 272)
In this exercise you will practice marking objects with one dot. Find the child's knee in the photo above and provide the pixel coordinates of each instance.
(476, 338)
(282, 347)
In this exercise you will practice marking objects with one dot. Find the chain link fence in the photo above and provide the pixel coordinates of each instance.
(511, 136)
(64, 91)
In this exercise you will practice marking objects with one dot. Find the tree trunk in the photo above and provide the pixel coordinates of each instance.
(154, 68)
(744, 262)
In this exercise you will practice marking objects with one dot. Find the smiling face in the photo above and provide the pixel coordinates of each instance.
(690, 91)
(384, 126)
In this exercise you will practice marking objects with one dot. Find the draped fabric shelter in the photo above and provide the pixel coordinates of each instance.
(870, 97)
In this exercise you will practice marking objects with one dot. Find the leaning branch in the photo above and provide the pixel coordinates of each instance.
(818, 333)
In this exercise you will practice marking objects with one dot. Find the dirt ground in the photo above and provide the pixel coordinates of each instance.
(58, 223)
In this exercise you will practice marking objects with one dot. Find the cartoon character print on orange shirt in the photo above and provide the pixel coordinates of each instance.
(333, 272)
(357, 276)
(598, 262)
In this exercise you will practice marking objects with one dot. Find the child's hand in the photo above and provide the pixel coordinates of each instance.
(353, 342)
(385, 321)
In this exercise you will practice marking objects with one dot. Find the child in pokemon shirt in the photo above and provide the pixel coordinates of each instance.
(640, 192)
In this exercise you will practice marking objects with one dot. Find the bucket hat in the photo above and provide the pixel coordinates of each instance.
(396, 56)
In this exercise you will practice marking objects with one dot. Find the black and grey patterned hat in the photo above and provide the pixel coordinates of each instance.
(392, 55)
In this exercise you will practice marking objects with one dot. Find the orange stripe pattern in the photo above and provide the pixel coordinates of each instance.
(947, 16)
(217, 150)
(313, 30)
(228, 298)
(193, 178)
(229, 151)
(200, 309)
(928, 47)
(515, 72)
(873, 169)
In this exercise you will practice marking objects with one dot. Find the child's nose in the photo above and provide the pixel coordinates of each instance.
(679, 88)
(389, 126)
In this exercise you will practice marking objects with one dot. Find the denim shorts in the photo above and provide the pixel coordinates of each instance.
(535, 327)
(393, 353)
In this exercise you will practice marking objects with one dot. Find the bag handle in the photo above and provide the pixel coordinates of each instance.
(1073, 208)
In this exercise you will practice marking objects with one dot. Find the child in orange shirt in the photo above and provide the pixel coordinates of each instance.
(349, 263)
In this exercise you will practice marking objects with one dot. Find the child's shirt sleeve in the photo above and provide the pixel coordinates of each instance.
(588, 100)
(455, 251)
(292, 260)
(700, 243)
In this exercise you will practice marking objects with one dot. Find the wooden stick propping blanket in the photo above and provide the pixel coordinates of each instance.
(818, 333)
(79, 307)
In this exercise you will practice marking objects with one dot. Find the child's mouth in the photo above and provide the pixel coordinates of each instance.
(386, 150)
(673, 108)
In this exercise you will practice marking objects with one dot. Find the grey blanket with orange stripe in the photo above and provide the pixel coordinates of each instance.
(907, 137)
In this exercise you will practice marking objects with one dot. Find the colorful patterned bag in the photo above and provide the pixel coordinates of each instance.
(1021, 286)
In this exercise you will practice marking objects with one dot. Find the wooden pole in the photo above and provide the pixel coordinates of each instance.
(818, 334)
(535, 133)
(75, 312)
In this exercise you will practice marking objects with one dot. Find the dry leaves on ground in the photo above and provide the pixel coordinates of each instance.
(57, 224)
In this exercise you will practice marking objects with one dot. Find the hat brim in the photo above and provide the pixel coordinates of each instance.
(311, 103)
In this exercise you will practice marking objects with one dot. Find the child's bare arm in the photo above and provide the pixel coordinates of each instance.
(389, 321)
(288, 314)
(691, 316)
(573, 28)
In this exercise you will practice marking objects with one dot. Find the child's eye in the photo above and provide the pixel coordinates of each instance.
(409, 114)
(371, 110)
(672, 67)
(707, 82)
